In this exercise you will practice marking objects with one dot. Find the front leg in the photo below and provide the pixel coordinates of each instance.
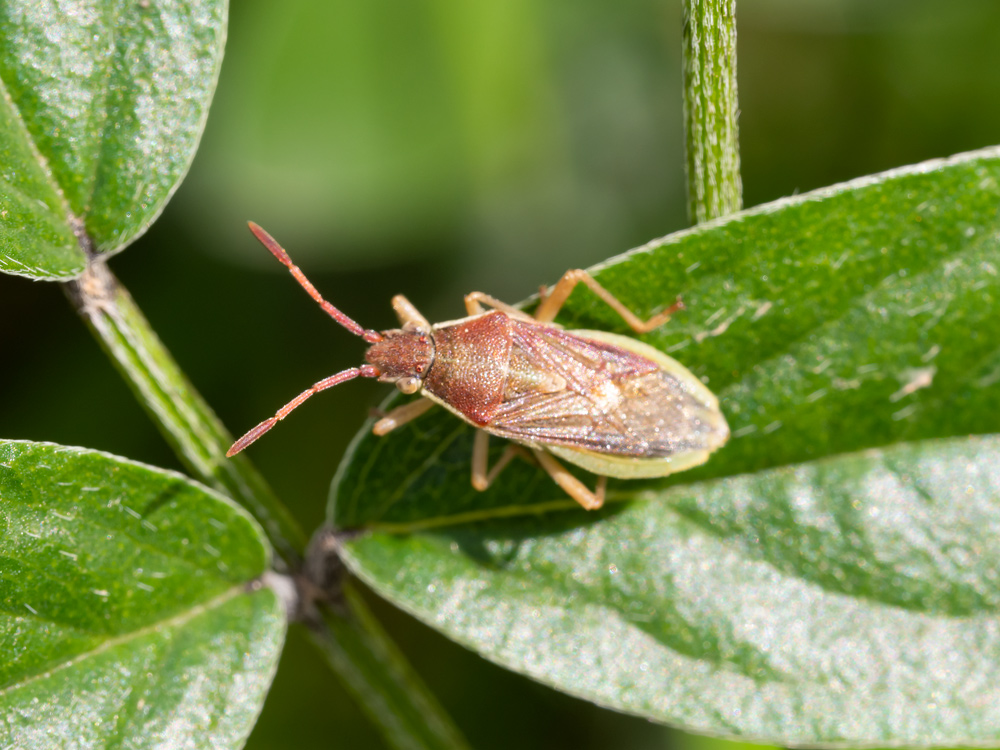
(554, 300)
(409, 315)
(401, 415)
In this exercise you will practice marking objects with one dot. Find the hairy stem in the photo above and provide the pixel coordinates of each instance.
(186, 421)
(711, 111)
(383, 683)
(354, 644)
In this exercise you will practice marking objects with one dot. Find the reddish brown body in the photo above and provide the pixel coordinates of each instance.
(608, 403)
(536, 383)
(471, 366)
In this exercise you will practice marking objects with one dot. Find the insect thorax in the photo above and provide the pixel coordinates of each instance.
(471, 365)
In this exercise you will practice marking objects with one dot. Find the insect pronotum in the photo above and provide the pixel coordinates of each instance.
(608, 403)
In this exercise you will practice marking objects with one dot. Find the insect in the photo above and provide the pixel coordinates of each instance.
(611, 404)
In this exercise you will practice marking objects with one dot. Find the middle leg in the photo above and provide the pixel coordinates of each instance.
(474, 302)
(555, 299)
(482, 477)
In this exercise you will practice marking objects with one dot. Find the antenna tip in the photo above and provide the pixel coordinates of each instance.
(251, 436)
(259, 232)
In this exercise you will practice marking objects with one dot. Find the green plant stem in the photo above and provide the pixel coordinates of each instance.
(714, 186)
(386, 687)
(186, 421)
(353, 642)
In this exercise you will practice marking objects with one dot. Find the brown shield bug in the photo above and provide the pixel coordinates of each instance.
(608, 403)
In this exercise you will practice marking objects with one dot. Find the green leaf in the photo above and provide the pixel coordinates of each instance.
(129, 609)
(103, 105)
(849, 318)
(843, 320)
(850, 600)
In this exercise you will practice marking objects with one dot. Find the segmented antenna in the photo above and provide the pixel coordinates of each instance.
(365, 371)
(278, 252)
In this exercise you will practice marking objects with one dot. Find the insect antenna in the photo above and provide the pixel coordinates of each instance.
(365, 371)
(278, 252)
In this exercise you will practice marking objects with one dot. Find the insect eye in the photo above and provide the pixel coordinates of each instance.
(408, 385)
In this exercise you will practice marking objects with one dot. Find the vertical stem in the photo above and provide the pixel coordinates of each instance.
(186, 421)
(383, 683)
(348, 635)
(714, 186)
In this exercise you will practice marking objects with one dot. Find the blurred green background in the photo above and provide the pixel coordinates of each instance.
(432, 148)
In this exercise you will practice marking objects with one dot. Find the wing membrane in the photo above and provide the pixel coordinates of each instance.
(584, 393)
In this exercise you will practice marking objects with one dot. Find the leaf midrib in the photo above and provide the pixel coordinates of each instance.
(27, 138)
(176, 621)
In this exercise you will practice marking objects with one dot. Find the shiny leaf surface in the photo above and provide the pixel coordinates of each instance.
(851, 600)
(104, 103)
(759, 595)
(130, 608)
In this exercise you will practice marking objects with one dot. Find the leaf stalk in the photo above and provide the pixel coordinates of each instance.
(189, 425)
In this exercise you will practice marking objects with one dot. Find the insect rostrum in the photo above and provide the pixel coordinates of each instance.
(608, 403)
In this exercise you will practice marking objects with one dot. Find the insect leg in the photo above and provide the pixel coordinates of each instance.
(408, 314)
(552, 302)
(481, 478)
(401, 415)
(474, 302)
(572, 486)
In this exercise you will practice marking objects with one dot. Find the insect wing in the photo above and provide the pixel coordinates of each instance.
(595, 394)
